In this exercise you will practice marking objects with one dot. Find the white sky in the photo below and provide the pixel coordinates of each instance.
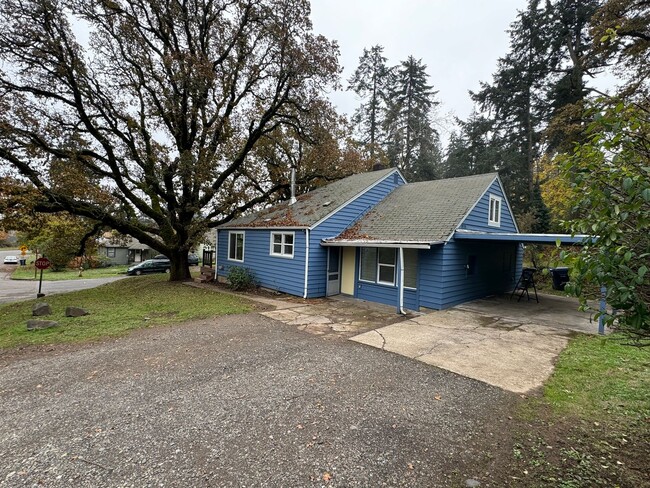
(459, 41)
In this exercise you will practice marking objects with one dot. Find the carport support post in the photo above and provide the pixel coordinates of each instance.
(603, 308)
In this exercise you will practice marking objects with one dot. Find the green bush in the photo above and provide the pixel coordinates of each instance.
(241, 278)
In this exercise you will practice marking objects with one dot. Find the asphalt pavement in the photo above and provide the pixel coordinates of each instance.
(242, 401)
(17, 290)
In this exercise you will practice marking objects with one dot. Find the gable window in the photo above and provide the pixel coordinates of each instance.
(494, 217)
(282, 244)
(386, 266)
(236, 246)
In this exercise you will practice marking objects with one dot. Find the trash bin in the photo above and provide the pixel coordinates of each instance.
(560, 277)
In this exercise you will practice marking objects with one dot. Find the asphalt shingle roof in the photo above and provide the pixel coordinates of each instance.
(424, 212)
(313, 206)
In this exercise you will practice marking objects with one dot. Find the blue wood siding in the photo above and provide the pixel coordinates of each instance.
(278, 273)
(478, 217)
(430, 277)
(496, 271)
(338, 222)
(386, 294)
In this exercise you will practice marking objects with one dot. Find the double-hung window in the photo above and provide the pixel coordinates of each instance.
(110, 252)
(494, 217)
(282, 244)
(386, 266)
(236, 246)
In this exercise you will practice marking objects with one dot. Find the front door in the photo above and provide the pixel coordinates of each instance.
(333, 271)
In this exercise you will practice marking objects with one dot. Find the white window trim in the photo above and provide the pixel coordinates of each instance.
(243, 245)
(360, 264)
(494, 222)
(282, 254)
(394, 266)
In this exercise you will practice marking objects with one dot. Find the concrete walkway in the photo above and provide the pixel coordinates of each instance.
(340, 316)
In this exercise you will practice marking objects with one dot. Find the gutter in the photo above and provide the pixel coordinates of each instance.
(380, 243)
(304, 294)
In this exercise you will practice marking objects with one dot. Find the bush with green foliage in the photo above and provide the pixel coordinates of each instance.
(240, 278)
(610, 184)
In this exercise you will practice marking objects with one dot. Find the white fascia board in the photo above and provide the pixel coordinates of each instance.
(375, 243)
(257, 227)
(362, 192)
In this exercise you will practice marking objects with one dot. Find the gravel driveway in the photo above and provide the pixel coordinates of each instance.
(241, 401)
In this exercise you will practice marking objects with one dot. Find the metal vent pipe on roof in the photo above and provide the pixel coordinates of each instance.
(293, 186)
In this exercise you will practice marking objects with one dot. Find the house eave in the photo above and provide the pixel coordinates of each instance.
(379, 243)
(259, 227)
(526, 238)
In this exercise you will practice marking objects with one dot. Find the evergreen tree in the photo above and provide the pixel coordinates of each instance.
(472, 150)
(412, 143)
(533, 105)
(370, 82)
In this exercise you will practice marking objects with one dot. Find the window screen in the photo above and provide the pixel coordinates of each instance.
(368, 265)
(410, 268)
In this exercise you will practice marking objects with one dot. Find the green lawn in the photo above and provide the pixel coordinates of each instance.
(115, 309)
(27, 273)
(590, 427)
(600, 377)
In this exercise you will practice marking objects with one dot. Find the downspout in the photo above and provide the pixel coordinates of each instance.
(304, 295)
(401, 281)
(216, 256)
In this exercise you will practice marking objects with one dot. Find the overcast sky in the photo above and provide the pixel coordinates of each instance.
(459, 40)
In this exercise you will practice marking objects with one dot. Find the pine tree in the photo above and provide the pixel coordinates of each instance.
(412, 143)
(370, 82)
(472, 150)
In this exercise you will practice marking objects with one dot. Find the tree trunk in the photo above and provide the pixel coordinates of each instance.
(180, 270)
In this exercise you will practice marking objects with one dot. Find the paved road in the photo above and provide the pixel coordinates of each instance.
(17, 290)
(243, 401)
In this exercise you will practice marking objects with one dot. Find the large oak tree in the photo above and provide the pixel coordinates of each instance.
(154, 108)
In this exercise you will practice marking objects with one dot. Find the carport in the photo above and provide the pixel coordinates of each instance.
(530, 238)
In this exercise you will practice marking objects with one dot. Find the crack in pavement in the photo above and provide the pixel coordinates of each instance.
(383, 345)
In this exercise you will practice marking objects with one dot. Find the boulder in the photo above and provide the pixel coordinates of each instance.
(75, 312)
(41, 324)
(41, 308)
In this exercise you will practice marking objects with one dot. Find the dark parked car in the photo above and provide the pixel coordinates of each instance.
(150, 266)
(192, 259)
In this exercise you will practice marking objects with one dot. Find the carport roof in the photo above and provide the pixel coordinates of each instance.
(564, 239)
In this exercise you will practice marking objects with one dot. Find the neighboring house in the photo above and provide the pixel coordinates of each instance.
(124, 250)
(373, 236)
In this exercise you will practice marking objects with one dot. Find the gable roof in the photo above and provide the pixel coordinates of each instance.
(426, 213)
(312, 207)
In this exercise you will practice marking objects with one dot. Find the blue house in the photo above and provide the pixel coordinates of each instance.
(374, 236)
